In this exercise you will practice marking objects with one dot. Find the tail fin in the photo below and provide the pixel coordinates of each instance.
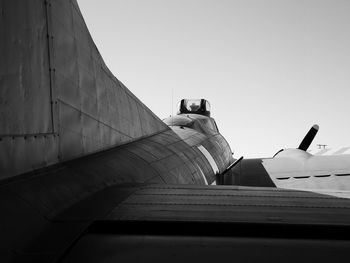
(58, 99)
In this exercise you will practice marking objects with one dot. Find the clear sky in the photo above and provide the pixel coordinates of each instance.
(270, 68)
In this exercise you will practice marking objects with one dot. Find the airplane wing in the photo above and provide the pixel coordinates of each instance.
(206, 224)
(175, 223)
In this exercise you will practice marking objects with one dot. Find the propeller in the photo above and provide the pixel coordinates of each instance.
(308, 138)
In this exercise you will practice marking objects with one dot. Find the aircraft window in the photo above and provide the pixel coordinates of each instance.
(207, 106)
(193, 105)
(178, 106)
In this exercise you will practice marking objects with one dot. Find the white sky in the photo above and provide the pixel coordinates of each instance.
(270, 69)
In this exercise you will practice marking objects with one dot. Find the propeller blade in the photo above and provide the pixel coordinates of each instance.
(309, 138)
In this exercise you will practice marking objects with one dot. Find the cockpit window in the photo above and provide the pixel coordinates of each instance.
(192, 105)
(207, 105)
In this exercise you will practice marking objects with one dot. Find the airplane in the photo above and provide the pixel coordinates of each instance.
(89, 174)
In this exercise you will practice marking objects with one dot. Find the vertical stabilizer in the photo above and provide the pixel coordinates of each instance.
(58, 100)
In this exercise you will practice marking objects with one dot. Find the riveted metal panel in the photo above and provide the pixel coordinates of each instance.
(66, 82)
(182, 175)
(135, 128)
(115, 112)
(113, 102)
(166, 138)
(66, 64)
(25, 88)
(216, 144)
(139, 151)
(101, 99)
(105, 132)
(90, 129)
(82, 36)
(19, 154)
(88, 93)
(125, 124)
(62, 9)
(189, 156)
(154, 121)
(96, 106)
(168, 177)
(49, 58)
(169, 163)
(116, 138)
(156, 149)
(71, 143)
(145, 124)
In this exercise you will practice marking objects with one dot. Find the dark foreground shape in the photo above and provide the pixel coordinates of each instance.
(249, 172)
(218, 224)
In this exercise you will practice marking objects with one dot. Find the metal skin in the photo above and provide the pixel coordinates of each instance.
(296, 169)
(191, 128)
(59, 101)
(88, 173)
